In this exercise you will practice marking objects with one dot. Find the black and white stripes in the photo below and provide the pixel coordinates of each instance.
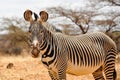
(79, 55)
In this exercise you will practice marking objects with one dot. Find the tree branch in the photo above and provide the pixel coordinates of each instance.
(113, 2)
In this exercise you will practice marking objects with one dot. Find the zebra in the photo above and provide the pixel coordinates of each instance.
(92, 53)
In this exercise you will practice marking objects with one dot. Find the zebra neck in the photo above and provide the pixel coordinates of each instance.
(49, 55)
(48, 52)
(48, 37)
(47, 43)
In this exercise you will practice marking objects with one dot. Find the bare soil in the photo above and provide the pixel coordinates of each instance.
(28, 68)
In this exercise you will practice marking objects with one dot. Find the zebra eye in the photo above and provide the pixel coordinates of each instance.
(30, 40)
(41, 31)
(29, 31)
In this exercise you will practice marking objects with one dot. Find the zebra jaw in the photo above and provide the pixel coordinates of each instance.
(35, 53)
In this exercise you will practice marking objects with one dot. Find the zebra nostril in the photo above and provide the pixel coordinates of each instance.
(31, 45)
(36, 44)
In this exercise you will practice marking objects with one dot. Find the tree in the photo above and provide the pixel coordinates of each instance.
(17, 35)
(13, 21)
(115, 2)
(85, 18)
(108, 24)
(81, 18)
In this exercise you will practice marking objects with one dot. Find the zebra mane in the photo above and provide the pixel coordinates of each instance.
(49, 27)
(35, 16)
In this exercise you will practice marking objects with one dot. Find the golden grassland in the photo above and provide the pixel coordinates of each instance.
(28, 68)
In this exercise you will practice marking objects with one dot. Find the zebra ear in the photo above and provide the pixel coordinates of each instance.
(28, 15)
(44, 16)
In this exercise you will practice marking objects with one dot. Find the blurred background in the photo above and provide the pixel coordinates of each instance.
(71, 17)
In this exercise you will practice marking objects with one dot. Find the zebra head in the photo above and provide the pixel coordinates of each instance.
(36, 30)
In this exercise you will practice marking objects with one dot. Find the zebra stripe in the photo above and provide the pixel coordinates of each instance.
(78, 55)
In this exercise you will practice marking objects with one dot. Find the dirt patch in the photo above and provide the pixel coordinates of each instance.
(28, 68)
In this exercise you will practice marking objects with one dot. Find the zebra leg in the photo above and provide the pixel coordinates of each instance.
(98, 74)
(62, 75)
(114, 74)
(62, 71)
(53, 75)
(109, 66)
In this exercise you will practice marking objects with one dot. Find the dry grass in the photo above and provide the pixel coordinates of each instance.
(28, 68)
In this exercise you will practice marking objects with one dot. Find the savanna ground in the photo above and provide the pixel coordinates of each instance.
(28, 68)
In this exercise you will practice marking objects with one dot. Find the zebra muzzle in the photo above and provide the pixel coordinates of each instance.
(35, 53)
